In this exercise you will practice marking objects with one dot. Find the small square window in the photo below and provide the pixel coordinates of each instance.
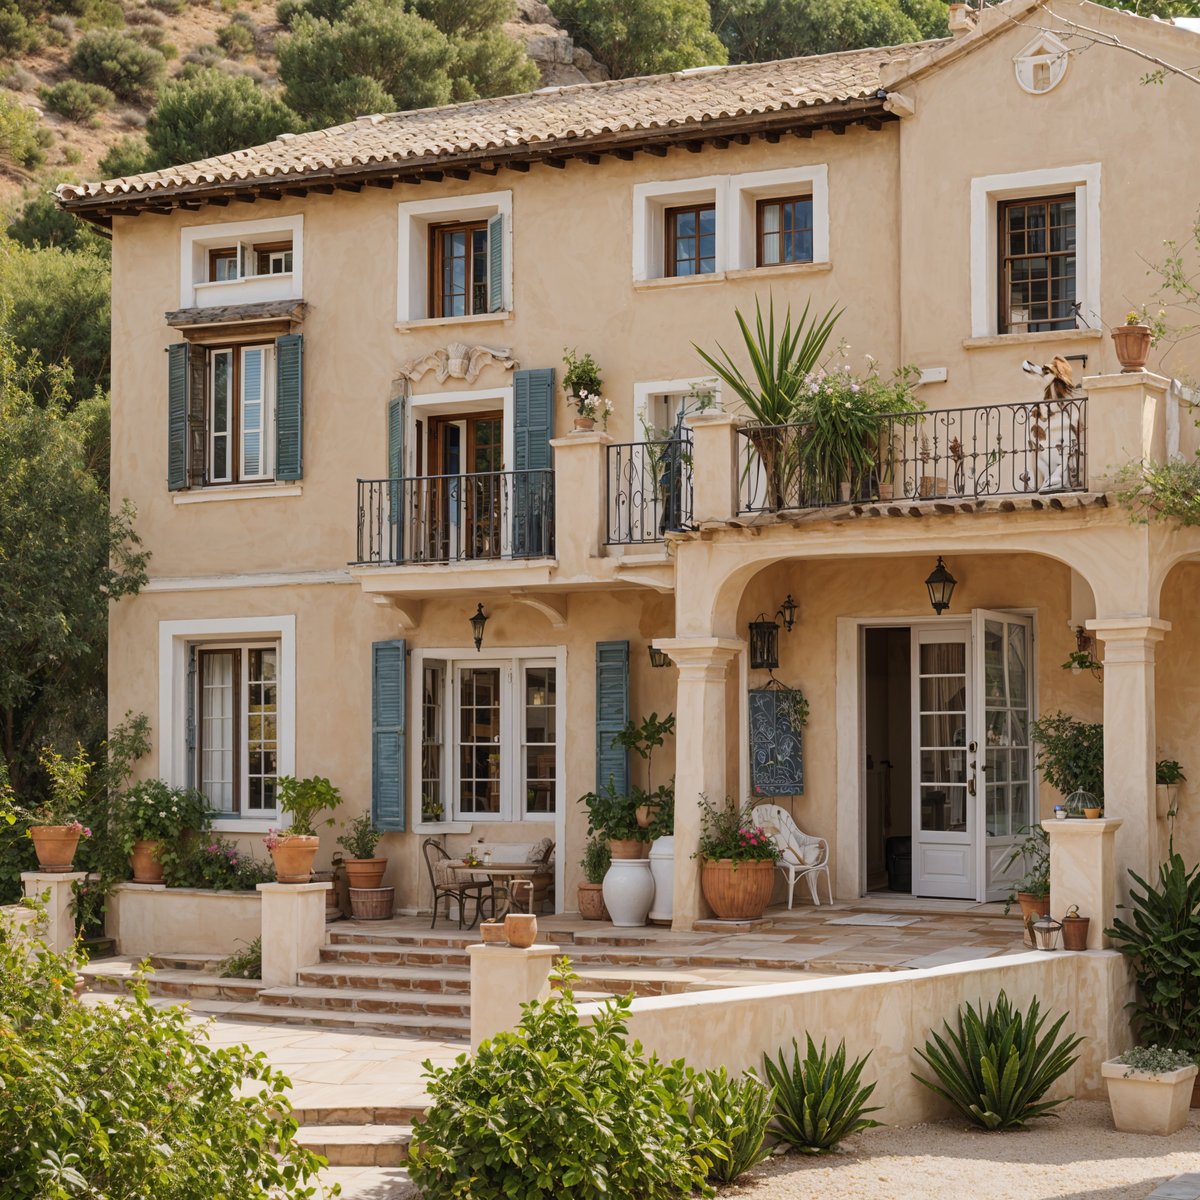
(784, 230)
(223, 265)
(691, 240)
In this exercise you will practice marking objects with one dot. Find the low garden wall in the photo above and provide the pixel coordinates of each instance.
(152, 919)
(889, 1013)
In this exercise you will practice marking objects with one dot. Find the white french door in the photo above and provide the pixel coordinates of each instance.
(972, 770)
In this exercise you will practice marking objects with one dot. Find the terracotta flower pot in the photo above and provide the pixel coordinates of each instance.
(145, 862)
(1075, 932)
(1092, 814)
(520, 929)
(585, 424)
(1132, 344)
(591, 902)
(293, 858)
(737, 891)
(492, 932)
(55, 846)
(365, 872)
(1032, 907)
(627, 847)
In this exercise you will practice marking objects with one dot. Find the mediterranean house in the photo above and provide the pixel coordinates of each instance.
(337, 406)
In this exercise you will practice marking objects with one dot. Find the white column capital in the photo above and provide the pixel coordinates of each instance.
(694, 656)
(1129, 639)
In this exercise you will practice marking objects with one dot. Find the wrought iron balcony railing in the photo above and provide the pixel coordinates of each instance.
(456, 518)
(949, 453)
(649, 490)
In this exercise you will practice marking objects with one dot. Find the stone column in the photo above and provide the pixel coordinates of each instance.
(1129, 739)
(580, 466)
(502, 979)
(293, 929)
(1083, 872)
(700, 767)
(715, 470)
(1126, 419)
(57, 927)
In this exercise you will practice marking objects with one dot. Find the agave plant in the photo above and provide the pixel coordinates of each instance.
(996, 1066)
(736, 1112)
(778, 367)
(818, 1100)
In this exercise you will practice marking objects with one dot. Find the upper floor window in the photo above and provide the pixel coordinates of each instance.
(691, 240)
(784, 230)
(458, 269)
(241, 262)
(241, 414)
(1037, 268)
(227, 264)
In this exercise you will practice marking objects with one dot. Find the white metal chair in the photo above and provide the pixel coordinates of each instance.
(804, 856)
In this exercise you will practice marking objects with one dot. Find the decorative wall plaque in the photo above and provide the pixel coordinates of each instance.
(778, 715)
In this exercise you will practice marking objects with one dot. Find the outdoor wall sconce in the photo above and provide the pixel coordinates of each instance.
(941, 586)
(658, 658)
(787, 612)
(764, 644)
(478, 621)
(1081, 659)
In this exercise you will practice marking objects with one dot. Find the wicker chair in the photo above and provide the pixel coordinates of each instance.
(449, 885)
(804, 856)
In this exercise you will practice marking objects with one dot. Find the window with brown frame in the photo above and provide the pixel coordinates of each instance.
(223, 265)
(228, 264)
(1037, 267)
(240, 413)
(784, 230)
(458, 269)
(691, 240)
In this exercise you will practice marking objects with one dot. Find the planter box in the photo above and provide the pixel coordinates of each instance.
(1144, 1102)
(152, 919)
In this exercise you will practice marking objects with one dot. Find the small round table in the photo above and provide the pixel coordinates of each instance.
(501, 876)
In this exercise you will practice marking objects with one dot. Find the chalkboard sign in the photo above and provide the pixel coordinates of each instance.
(777, 719)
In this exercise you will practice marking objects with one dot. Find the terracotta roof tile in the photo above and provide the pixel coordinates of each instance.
(545, 119)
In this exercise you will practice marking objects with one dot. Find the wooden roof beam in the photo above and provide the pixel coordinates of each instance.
(559, 164)
(517, 165)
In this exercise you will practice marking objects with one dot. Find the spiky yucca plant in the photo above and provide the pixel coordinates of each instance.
(997, 1065)
(818, 1100)
(737, 1112)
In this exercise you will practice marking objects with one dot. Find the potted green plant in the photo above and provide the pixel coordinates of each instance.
(1032, 890)
(737, 862)
(1168, 775)
(582, 382)
(1149, 1089)
(154, 821)
(53, 826)
(1070, 754)
(595, 863)
(359, 840)
(294, 849)
(1132, 342)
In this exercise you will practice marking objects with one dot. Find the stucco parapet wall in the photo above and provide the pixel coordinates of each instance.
(152, 919)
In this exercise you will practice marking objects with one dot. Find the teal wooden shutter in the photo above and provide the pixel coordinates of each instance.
(197, 408)
(177, 416)
(388, 672)
(495, 241)
(394, 488)
(533, 487)
(289, 407)
(612, 715)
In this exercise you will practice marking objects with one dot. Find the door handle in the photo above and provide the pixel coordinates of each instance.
(971, 781)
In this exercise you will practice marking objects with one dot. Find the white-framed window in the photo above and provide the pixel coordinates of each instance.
(455, 258)
(241, 262)
(993, 196)
(241, 414)
(490, 736)
(227, 713)
(703, 227)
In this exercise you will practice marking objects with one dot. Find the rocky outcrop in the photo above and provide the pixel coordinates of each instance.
(550, 46)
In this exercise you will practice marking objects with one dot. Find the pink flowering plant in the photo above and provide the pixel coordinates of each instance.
(220, 865)
(728, 832)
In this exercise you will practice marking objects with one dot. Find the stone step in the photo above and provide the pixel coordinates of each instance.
(367, 1000)
(357, 1145)
(114, 975)
(370, 1183)
(394, 956)
(209, 963)
(443, 1028)
(445, 979)
(358, 1114)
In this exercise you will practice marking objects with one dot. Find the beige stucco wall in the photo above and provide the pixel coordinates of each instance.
(148, 920)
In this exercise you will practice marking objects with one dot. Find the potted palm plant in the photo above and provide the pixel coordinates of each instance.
(294, 849)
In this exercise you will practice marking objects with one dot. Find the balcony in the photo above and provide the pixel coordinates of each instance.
(991, 451)
(648, 490)
(452, 519)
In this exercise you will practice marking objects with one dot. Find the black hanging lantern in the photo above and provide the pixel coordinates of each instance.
(787, 612)
(941, 586)
(478, 621)
(658, 658)
(764, 644)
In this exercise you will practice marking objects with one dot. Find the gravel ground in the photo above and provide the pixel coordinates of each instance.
(1078, 1157)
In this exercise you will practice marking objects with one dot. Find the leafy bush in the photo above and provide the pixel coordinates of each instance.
(246, 964)
(77, 101)
(997, 1065)
(1070, 753)
(360, 838)
(154, 811)
(125, 1099)
(18, 34)
(1157, 1059)
(121, 63)
(172, 7)
(1162, 940)
(818, 1100)
(559, 1108)
(737, 1112)
(23, 139)
(302, 799)
(126, 156)
(236, 39)
(212, 862)
(613, 817)
(145, 16)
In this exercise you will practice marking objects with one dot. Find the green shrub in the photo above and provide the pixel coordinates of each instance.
(126, 156)
(360, 838)
(558, 1108)
(1070, 753)
(125, 1099)
(18, 35)
(246, 964)
(212, 862)
(76, 101)
(172, 7)
(818, 1100)
(736, 1112)
(23, 139)
(1162, 940)
(997, 1066)
(129, 70)
(236, 39)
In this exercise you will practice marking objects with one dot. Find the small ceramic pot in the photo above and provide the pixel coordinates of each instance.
(145, 862)
(520, 929)
(1060, 813)
(1092, 814)
(492, 932)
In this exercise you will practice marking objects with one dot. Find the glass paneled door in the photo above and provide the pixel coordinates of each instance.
(1001, 758)
(943, 818)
